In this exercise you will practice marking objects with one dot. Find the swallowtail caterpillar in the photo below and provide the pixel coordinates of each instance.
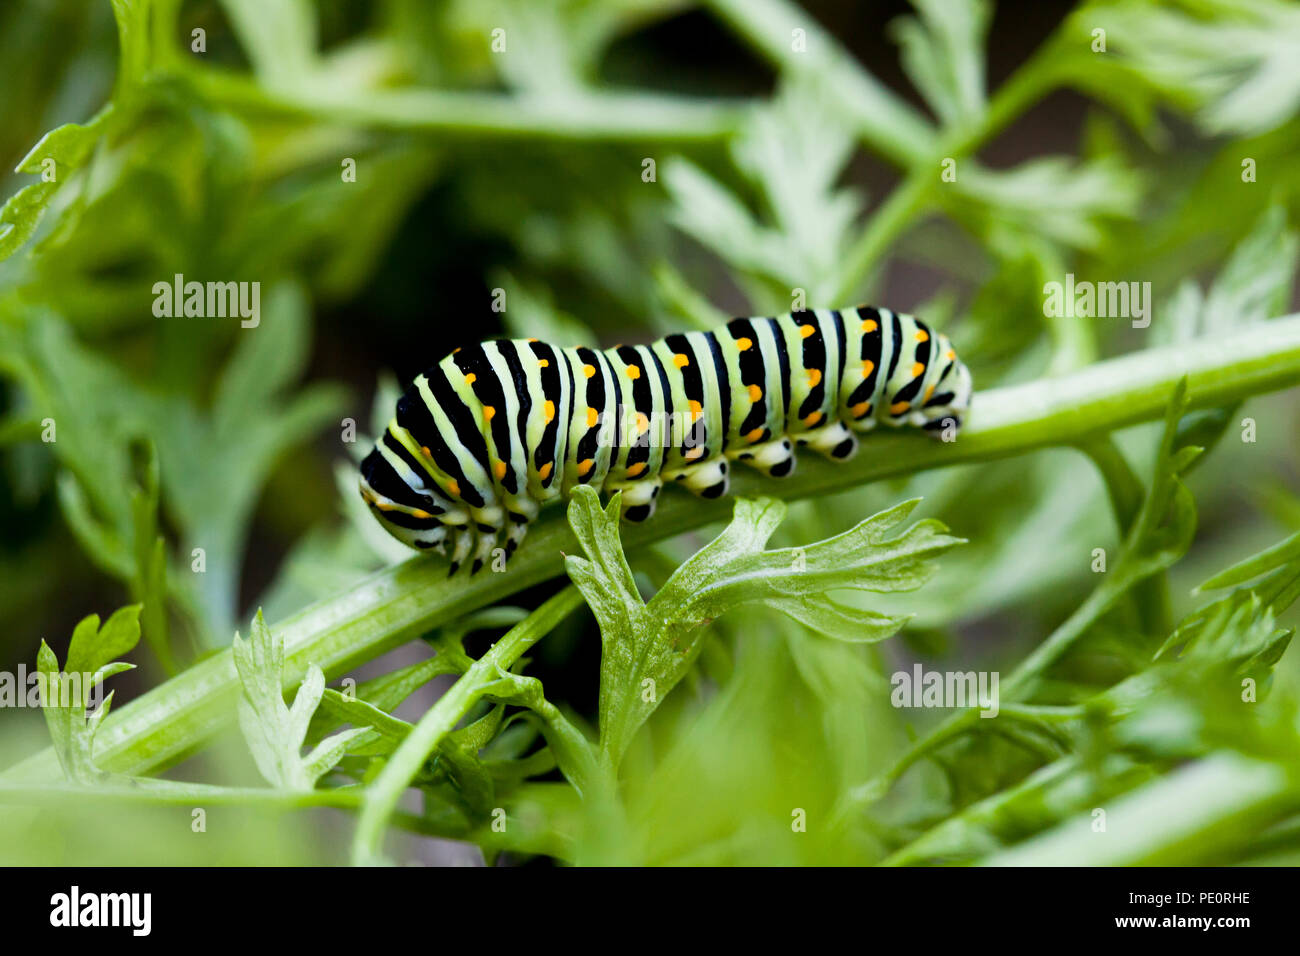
(494, 431)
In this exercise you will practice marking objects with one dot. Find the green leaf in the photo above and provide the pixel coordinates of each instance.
(68, 146)
(360, 713)
(216, 467)
(1283, 553)
(794, 152)
(279, 37)
(843, 622)
(67, 693)
(1251, 286)
(604, 578)
(943, 53)
(20, 216)
(1187, 815)
(1054, 196)
(93, 647)
(647, 647)
(1231, 61)
(275, 732)
(1046, 797)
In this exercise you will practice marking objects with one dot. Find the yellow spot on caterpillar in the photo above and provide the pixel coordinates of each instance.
(806, 330)
(500, 469)
(384, 505)
(950, 355)
(544, 472)
(532, 340)
(543, 363)
(694, 453)
(584, 466)
(588, 370)
(813, 419)
(928, 392)
(743, 345)
(696, 408)
(592, 416)
(868, 367)
(899, 407)
(755, 435)
(471, 378)
(681, 361)
(453, 487)
(634, 470)
(918, 369)
(548, 411)
(869, 326)
(420, 513)
(755, 393)
(489, 412)
(425, 449)
(814, 377)
(633, 372)
(922, 335)
(860, 409)
(642, 423)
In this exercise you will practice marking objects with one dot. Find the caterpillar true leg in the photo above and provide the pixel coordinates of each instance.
(487, 543)
(462, 540)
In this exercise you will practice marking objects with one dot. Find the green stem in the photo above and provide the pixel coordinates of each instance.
(904, 203)
(404, 601)
(586, 115)
(1122, 483)
(1150, 595)
(195, 795)
(441, 719)
(1021, 680)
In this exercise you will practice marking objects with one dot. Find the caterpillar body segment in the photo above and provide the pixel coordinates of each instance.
(481, 441)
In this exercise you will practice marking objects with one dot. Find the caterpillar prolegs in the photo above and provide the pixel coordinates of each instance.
(487, 436)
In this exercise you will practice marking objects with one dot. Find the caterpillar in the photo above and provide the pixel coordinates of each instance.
(483, 439)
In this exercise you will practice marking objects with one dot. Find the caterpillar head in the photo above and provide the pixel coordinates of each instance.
(407, 511)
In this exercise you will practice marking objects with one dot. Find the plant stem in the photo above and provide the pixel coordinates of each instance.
(404, 601)
(586, 115)
(1150, 596)
(904, 202)
(206, 795)
(382, 795)
(1029, 670)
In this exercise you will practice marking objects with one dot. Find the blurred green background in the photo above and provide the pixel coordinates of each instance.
(776, 168)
